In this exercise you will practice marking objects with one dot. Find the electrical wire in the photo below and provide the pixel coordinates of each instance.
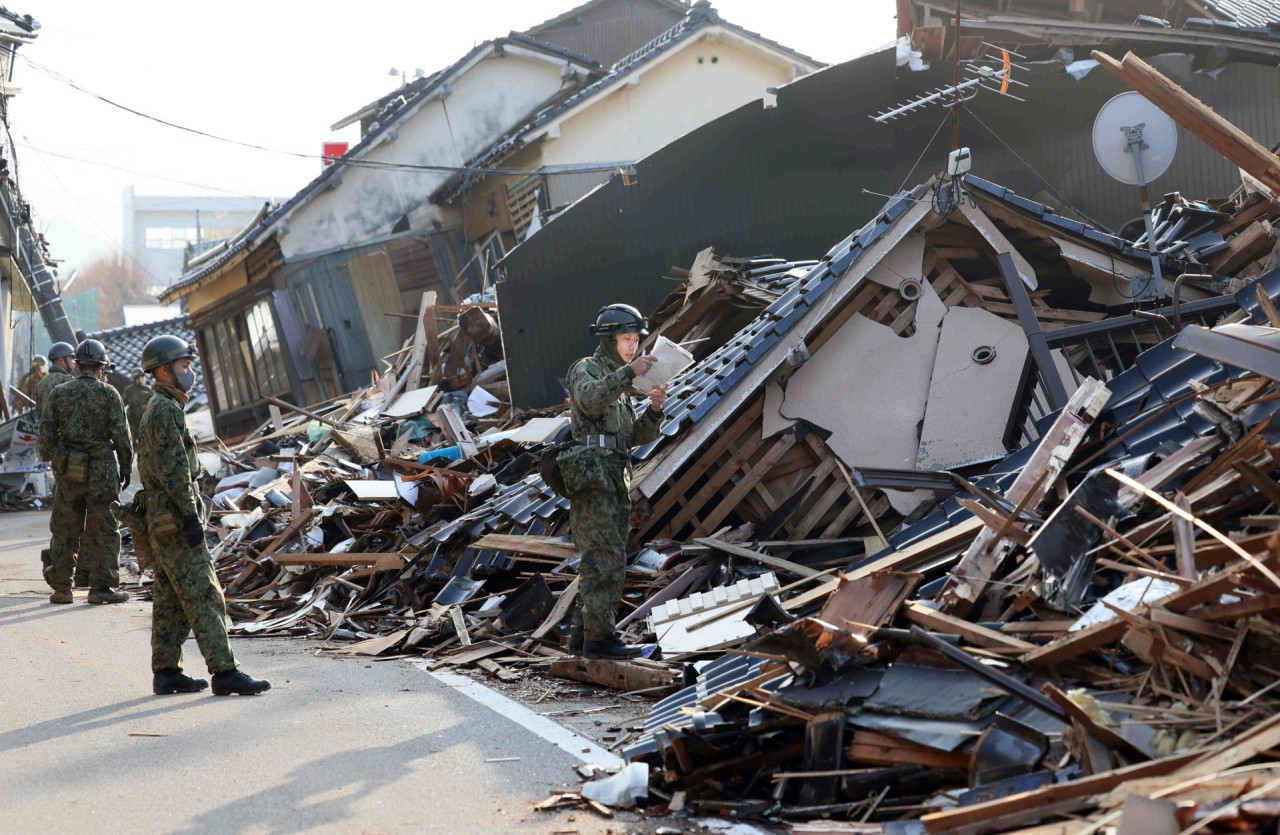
(1042, 178)
(923, 152)
(351, 162)
(89, 216)
(135, 172)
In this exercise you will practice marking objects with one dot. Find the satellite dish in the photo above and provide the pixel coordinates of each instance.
(1128, 124)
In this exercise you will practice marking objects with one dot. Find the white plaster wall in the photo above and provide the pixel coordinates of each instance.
(670, 99)
(487, 100)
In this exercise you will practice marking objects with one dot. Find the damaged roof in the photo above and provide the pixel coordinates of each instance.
(395, 111)
(699, 17)
(1247, 12)
(124, 345)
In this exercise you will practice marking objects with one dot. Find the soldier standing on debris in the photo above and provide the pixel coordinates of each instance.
(597, 473)
(83, 432)
(27, 385)
(136, 397)
(187, 596)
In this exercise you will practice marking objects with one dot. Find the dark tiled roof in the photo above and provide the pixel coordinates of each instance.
(1182, 227)
(22, 26)
(700, 16)
(124, 345)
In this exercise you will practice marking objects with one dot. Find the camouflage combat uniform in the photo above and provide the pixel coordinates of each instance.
(187, 596)
(48, 383)
(136, 397)
(84, 419)
(27, 385)
(599, 482)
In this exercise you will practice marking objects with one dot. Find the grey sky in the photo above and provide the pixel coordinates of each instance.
(272, 73)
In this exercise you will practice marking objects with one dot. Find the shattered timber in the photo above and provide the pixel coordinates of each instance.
(942, 533)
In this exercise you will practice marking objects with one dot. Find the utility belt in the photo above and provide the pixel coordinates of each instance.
(603, 442)
(75, 462)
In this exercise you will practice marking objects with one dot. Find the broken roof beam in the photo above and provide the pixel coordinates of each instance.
(1196, 116)
(970, 577)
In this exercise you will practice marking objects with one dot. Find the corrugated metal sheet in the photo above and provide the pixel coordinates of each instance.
(565, 187)
(791, 179)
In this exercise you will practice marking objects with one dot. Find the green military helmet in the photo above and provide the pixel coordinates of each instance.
(38, 361)
(136, 373)
(162, 350)
(61, 350)
(619, 318)
(91, 352)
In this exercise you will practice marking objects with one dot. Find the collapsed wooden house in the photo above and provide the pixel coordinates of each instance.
(904, 349)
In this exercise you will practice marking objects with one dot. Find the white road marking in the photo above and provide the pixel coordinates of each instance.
(558, 735)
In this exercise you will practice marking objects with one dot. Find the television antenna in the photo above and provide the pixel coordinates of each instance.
(1134, 142)
(993, 72)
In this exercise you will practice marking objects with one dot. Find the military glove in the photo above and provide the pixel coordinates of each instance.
(193, 529)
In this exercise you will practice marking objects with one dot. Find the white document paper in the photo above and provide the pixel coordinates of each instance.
(481, 403)
(671, 360)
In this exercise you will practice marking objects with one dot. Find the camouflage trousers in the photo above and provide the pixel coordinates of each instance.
(600, 521)
(187, 598)
(84, 530)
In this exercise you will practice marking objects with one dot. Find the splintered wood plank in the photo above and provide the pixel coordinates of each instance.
(539, 546)
(638, 674)
(716, 478)
(1101, 634)
(882, 749)
(973, 633)
(756, 556)
(870, 601)
(823, 499)
(969, 578)
(381, 562)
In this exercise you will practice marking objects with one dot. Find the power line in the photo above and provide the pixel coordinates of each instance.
(89, 216)
(357, 163)
(47, 152)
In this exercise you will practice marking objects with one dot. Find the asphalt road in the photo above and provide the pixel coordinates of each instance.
(337, 745)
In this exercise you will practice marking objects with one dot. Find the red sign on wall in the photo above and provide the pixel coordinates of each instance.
(332, 150)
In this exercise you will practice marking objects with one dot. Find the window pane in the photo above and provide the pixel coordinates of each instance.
(213, 366)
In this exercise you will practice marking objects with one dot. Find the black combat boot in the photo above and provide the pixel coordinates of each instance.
(575, 641)
(164, 682)
(237, 682)
(108, 595)
(61, 596)
(610, 648)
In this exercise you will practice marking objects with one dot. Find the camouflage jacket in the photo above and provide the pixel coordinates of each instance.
(86, 415)
(27, 385)
(598, 387)
(48, 383)
(167, 459)
(136, 398)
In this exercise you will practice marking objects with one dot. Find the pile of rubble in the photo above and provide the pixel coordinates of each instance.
(946, 637)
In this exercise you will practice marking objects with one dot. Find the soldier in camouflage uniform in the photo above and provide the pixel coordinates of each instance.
(27, 385)
(136, 397)
(61, 370)
(187, 596)
(83, 432)
(597, 473)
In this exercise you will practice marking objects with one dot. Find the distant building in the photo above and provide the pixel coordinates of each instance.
(158, 230)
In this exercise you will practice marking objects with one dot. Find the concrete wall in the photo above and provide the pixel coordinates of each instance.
(218, 217)
(487, 99)
(659, 104)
